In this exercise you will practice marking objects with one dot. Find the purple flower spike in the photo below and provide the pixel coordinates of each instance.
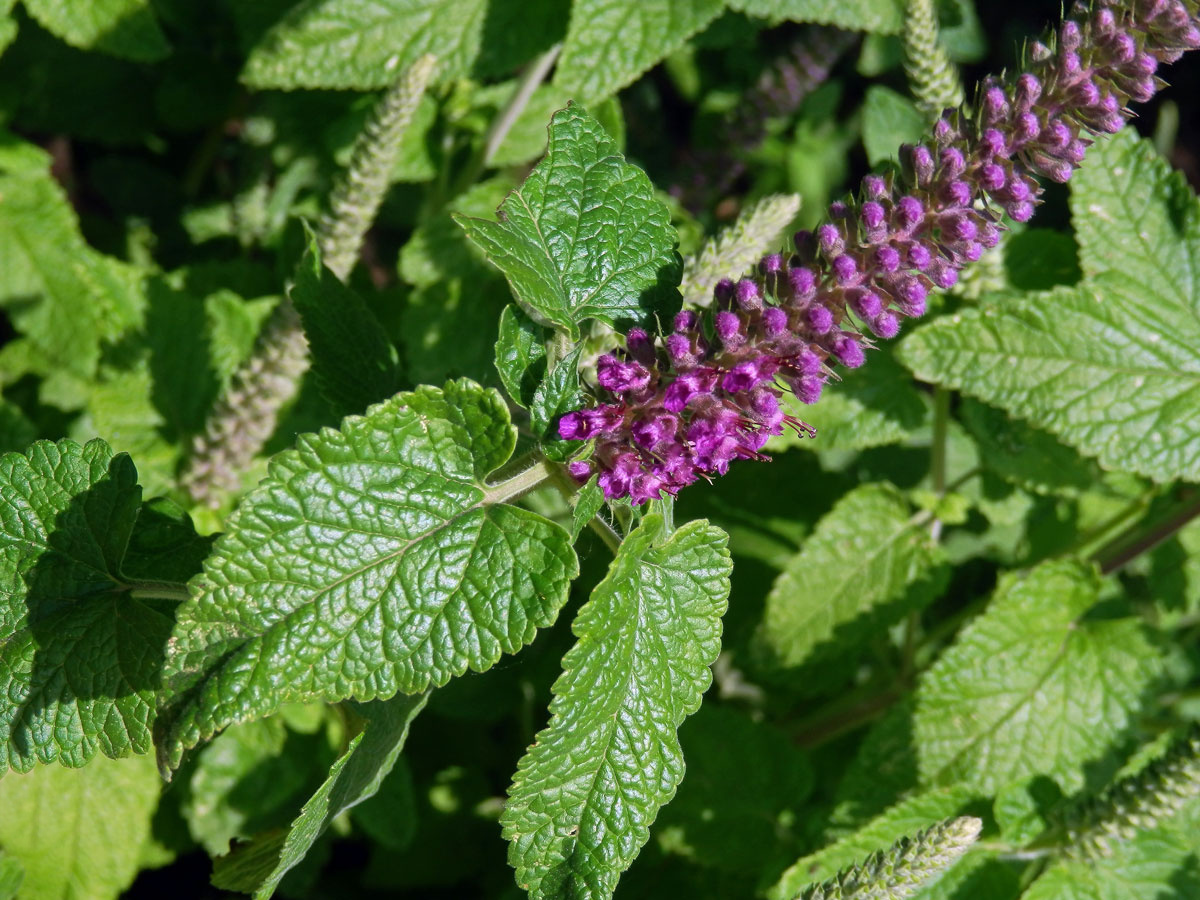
(669, 415)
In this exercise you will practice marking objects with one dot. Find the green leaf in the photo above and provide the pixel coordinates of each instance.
(12, 873)
(362, 44)
(55, 289)
(585, 794)
(438, 249)
(124, 28)
(557, 394)
(79, 833)
(250, 778)
(1025, 455)
(82, 640)
(871, 406)
(448, 329)
(729, 815)
(889, 120)
(588, 502)
(611, 42)
(1034, 686)
(370, 560)
(1133, 213)
(867, 563)
(883, 16)
(353, 362)
(258, 868)
(1111, 366)
(516, 31)
(1160, 863)
(520, 354)
(584, 236)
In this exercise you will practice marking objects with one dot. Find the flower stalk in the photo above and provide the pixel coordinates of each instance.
(685, 406)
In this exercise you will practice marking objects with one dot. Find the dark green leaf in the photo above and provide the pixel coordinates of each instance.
(584, 236)
(352, 359)
(371, 560)
(520, 354)
(557, 394)
(583, 798)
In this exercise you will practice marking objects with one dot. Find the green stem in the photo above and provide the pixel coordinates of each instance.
(937, 463)
(158, 590)
(1146, 536)
(523, 482)
(843, 716)
(1093, 540)
(568, 487)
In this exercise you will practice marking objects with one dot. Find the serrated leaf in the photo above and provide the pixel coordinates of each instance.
(79, 832)
(369, 561)
(258, 868)
(82, 641)
(882, 16)
(1133, 213)
(558, 393)
(353, 361)
(585, 794)
(611, 42)
(1034, 686)
(866, 564)
(588, 502)
(889, 120)
(124, 28)
(871, 406)
(584, 236)
(363, 44)
(908, 817)
(520, 354)
(1111, 365)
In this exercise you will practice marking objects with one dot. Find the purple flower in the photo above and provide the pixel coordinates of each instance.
(689, 408)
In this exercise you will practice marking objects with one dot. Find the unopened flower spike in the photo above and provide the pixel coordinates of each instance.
(685, 405)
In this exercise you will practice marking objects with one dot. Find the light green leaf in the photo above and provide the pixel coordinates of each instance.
(364, 44)
(585, 794)
(611, 42)
(56, 290)
(79, 833)
(871, 406)
(12, 873)
(1111, 365)
(82, 641)
(8, 34)
(889, 120)
(584, 236)
(258, 867)
(866, 564)
(1024, 455)
(883, 16)
(371, 560)
(353, 362)
(125, 28)
(1135, 214)
(1157, 864)
(1034, 686)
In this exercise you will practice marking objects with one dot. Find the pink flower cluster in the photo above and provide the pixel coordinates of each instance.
(685, 406)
